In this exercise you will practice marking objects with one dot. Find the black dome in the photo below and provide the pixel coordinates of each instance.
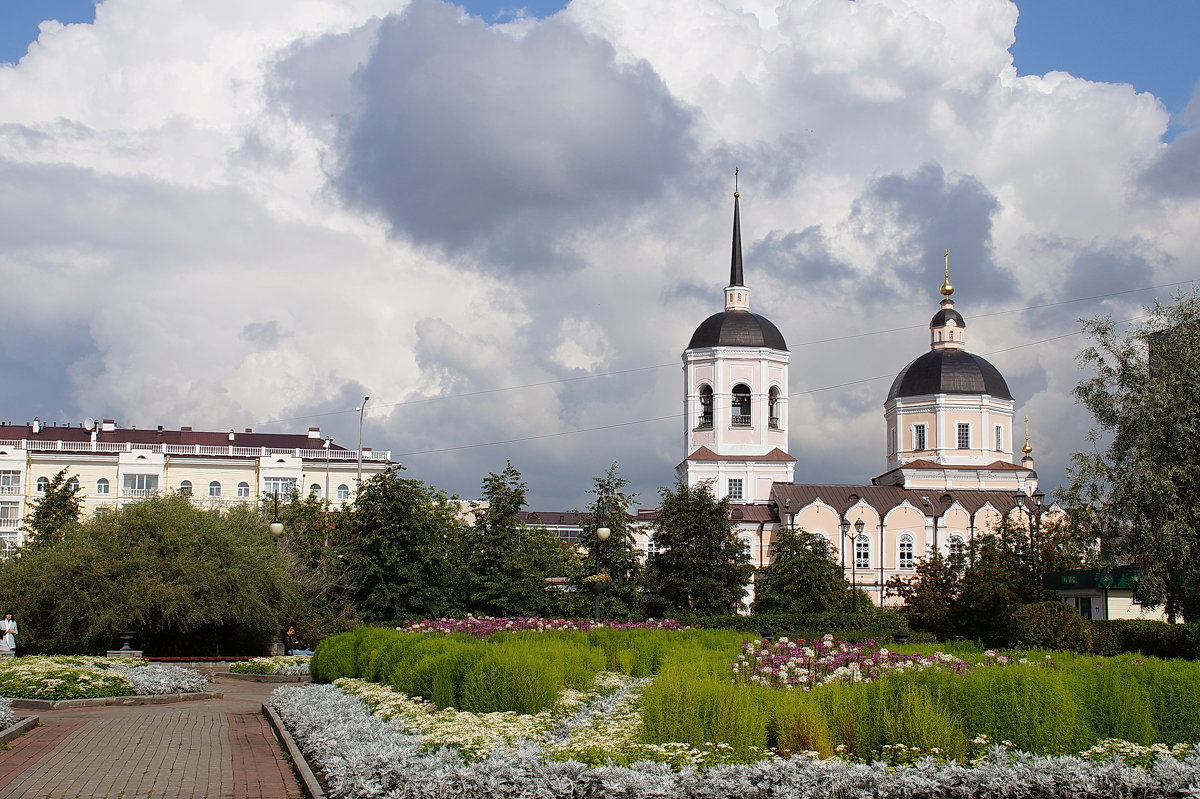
(737, 329)
(941, 317)
(949, 372)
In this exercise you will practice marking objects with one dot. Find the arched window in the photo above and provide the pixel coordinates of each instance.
(42, 485)
(906, 551)
(706, 408)
(73, 485)
(243, 490)
(862, 551)
(185, 488)
(214, 489)
(343, 493)
(315, 490)
(773, 407)
(102, 485)
(958, 547)
(741, 405)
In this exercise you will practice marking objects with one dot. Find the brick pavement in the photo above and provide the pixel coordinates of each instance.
(216, 748)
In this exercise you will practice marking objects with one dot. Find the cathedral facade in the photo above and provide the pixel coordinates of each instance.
(951, 472)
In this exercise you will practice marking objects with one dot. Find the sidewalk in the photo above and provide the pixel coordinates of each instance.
(216, 748)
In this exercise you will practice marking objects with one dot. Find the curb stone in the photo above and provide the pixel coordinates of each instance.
(17, 730)
(264, 677)
(69, 704)
(304, 773)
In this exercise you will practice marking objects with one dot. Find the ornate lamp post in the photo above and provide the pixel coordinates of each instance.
(1035, 527)
(853, 542)
(278, 646)
(599, 586)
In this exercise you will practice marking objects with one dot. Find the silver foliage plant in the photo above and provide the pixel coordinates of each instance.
(155, 679)
(7, 717)
(363, 757)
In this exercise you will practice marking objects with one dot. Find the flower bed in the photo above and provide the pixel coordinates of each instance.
(804, 664)
(291, 665)
(76, 677)
(363, 756)
(483, 626)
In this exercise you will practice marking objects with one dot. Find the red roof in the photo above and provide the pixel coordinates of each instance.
(10, 432)
(706, 454)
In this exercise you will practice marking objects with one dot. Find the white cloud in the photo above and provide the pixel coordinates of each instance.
(224, 213)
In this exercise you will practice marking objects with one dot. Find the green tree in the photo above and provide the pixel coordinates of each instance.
(55, 512)
(616, 556)
(996, 581)
(1140, 494)
(700, 565)
(931, 594)
(802, 578)
(189, 581)
(400, 550)
(508, 563)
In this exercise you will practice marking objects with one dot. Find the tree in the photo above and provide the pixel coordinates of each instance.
(616, 556)
(1140, 495)
(931, 594)
(700, 565)
(802, 578)
(508, 563)
(996, 581)
(400, 550)
(55, 512)
(189, 581)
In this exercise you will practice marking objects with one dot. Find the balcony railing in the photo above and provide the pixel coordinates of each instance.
(319, 454)
(773, 422)
(10, 489)
(9, 524)
(139, 492)
(705, 423)
(741, 420)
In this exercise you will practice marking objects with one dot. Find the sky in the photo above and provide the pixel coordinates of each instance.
(503, 225)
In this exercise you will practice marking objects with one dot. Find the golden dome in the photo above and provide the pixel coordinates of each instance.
(947, 289)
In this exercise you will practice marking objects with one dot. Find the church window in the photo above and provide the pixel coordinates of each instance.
(891, 440)
(964, 435)
(735, 488)
(906, 551)
(741, 405)
(999, 438)
(918, 437)
(862, 552)
(958, 548)
(706, 407)
(773, 407)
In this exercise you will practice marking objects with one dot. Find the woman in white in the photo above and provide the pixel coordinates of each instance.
(8, 634)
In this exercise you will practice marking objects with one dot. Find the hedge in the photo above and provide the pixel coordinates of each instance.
(1154, 638)
(879, 624)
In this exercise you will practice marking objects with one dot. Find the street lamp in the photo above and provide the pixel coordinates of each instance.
(1035, 526)
(278, 646)
(602, 534)
(361, 410)
(853, 541)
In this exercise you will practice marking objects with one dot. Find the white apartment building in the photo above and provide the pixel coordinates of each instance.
(117, 465)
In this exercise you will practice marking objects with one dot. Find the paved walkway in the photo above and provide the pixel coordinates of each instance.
(215, 748)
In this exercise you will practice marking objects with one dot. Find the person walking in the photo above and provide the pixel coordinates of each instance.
(8, 635)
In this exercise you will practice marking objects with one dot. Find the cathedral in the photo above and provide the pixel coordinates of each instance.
(951, 470)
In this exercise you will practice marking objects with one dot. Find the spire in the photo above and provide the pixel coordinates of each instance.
(946, 288)
(1028, 448)
(735, 262)
(737, 296)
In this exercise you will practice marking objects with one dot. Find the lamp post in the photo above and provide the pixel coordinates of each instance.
(602, 534)
(361, 410)
(1035, 527)
(278, 647)
(853, 541)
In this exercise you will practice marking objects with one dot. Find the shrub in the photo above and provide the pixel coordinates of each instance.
(506, 681)
(1049, 625)
(1150, 637)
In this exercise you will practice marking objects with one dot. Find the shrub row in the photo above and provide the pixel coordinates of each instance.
(1056, 625)
(880, 624)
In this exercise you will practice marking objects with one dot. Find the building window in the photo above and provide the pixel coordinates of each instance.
(214, 489)
(735, 488)
(73, 484)
(891, 440)
(741, 405)
(773, 408)
(706, 408)
(243, 490)
(185, 488)
(102, 486)
(10, 482)
(862, 551)
(283, 486)
(343, 492)
(958, 547)
(42, 485)
(918, 437)
(964, 435)
(999, 438)
(139, 485)
(906, 551)
(10, 515)
(8, 545)
(315, 490)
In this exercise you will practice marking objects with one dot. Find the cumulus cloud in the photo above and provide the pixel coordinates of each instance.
(228, 215)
